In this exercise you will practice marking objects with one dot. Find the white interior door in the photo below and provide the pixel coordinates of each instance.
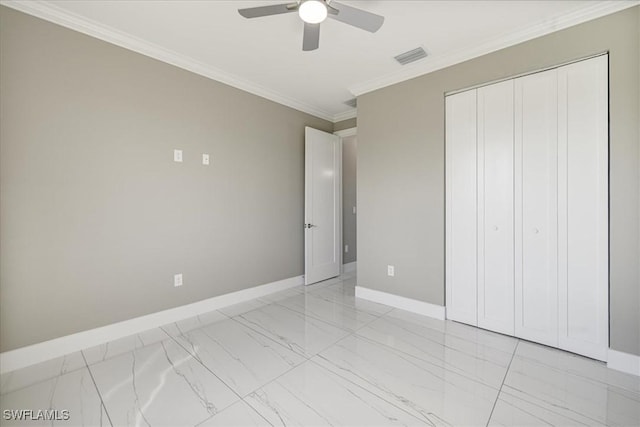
(322, 201)
(495, 207)
(536, 207)
(461, 226)
(583, 216)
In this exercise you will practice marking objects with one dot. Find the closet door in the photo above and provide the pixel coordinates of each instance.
(536, 211)
(495, 207)
(583, 200)
(460, 268)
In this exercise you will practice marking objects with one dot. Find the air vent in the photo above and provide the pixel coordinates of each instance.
(353, 103)
(411, 56)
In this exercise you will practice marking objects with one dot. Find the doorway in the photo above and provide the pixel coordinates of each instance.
(330, 204)
(349, 199)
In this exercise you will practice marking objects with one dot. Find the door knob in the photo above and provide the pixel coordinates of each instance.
(309, 226)
(536, 231)
(495, 228)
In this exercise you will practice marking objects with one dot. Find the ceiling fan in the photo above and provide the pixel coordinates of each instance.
(313, 12)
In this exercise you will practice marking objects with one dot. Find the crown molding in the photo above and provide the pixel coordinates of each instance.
(346, 133)
(52, 13)
(593, 11)
(351, 114)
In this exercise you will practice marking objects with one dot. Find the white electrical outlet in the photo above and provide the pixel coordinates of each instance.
(177, 156)
(391, 270)
(205, 159)
(346, 249)
(177, 279)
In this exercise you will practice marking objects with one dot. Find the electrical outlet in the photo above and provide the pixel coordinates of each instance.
(177, 156)
(346, 249)
(177, 279)
(354, 210)
(205, 159)
(391, 270)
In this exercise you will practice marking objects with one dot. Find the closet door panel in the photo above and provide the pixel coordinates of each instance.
(495, 207)
(583, 214)
(536, 263)
(461, 207)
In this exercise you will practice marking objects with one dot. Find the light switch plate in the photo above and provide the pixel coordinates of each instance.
(391, 270)
(346, 249)
(177, 279)
(177, 156)
(205, 159)
(354, 210)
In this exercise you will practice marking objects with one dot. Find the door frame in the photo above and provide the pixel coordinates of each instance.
(344, 133)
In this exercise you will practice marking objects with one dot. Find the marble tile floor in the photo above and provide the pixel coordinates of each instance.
(316, 356)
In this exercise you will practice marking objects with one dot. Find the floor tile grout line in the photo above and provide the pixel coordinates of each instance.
(304, 314)
(307, 359)
(394, 309)
(355, 333)
(267, 337)
(48, 378)
(310, 360)
(351, 333)
(318, 354)
(317, 317)
(437, 343)
(351, 306)
(553, 409)
(612, 387)
(239, 401)
(464, 339)
(445, 367)
(270, 381)
(271, 339)
(95, 384)
(212, 373)
(205, 367)
(515, 349)
(266, 303)
(241, 324)
(380, 396)
(256, 411)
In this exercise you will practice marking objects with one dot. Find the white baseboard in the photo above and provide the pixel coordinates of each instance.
(408, 304)
(625, 362)
(36, 353)
(349, 267)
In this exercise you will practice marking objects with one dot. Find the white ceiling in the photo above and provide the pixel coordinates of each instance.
(264, 55)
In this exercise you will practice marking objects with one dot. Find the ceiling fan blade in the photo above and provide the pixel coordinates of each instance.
(275, 9)
(311, 38)
(357, 17)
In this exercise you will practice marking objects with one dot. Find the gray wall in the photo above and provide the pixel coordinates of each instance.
(95, 217)
(349, 191)
(401, 166)
(345, 124)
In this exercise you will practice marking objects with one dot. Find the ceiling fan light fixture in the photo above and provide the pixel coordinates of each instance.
(313, 11)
